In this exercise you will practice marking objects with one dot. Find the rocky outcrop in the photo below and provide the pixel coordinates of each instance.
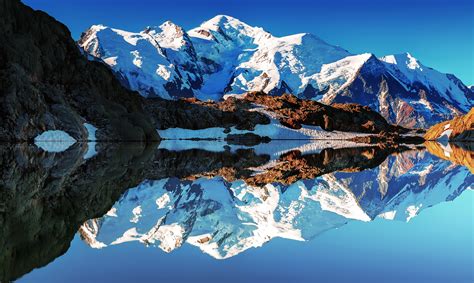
(458, 129)
(293, 112)
(194, 114)
(279, 117)
(47, 84)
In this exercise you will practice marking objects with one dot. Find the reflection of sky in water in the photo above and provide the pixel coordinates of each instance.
(436, 246)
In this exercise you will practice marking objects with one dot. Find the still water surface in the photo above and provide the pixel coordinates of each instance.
(175, 213)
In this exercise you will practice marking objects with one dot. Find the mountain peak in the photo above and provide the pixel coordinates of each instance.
(168, 28)
(405, 59)
(170, 25)
(229, 24)
(230, 29)
(98, 27)
(168, 35)
(221, 20)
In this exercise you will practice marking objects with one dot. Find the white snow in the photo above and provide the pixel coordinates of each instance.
(412, 211)
(336, 76)
(389, 215)
(138, 57)
(274, 130)
(257, 60)
(409, 70)
(54, 141)
(91, 132)
(91, 137)
(447, 150)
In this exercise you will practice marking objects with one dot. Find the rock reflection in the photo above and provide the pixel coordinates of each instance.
(223, 202)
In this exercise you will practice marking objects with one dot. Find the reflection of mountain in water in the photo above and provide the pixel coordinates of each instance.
(224, 216)
(44, 198)
(221, 201)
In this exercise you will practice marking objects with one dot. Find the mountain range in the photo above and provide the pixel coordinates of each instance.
(225, 56)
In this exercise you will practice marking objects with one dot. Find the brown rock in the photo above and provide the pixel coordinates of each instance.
(462, 128)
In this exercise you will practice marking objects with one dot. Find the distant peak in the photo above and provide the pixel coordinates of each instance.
(221, 19)
(98, 27)
(169, 24)
(405, 59)
(367, 56)
(224, 21)
(167, 27)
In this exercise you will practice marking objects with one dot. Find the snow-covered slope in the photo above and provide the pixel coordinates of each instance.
(226, 56)
(255, 60)
(158, 61)
(224, 218)
(397, 86)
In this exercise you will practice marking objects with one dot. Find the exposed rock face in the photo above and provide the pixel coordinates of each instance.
(294, 112)
(458, 129)
(47, 84)
(403, 91)
(194, 114)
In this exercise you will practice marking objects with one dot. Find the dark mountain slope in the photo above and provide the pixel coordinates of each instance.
(47, 84)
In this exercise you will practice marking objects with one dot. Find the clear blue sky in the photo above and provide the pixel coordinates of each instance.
(440, 33)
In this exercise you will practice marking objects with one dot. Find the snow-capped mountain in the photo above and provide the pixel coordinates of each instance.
(224, 218)
(158, 61)
(226, 56)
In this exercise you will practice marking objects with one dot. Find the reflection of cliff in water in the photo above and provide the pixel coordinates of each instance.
(44, 198)
(457, 153)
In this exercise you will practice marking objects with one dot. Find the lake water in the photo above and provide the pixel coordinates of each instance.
(287, 211)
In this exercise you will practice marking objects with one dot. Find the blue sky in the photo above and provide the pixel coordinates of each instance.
(440, 33)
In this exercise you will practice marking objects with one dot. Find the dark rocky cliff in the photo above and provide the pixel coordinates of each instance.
(47, 84)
